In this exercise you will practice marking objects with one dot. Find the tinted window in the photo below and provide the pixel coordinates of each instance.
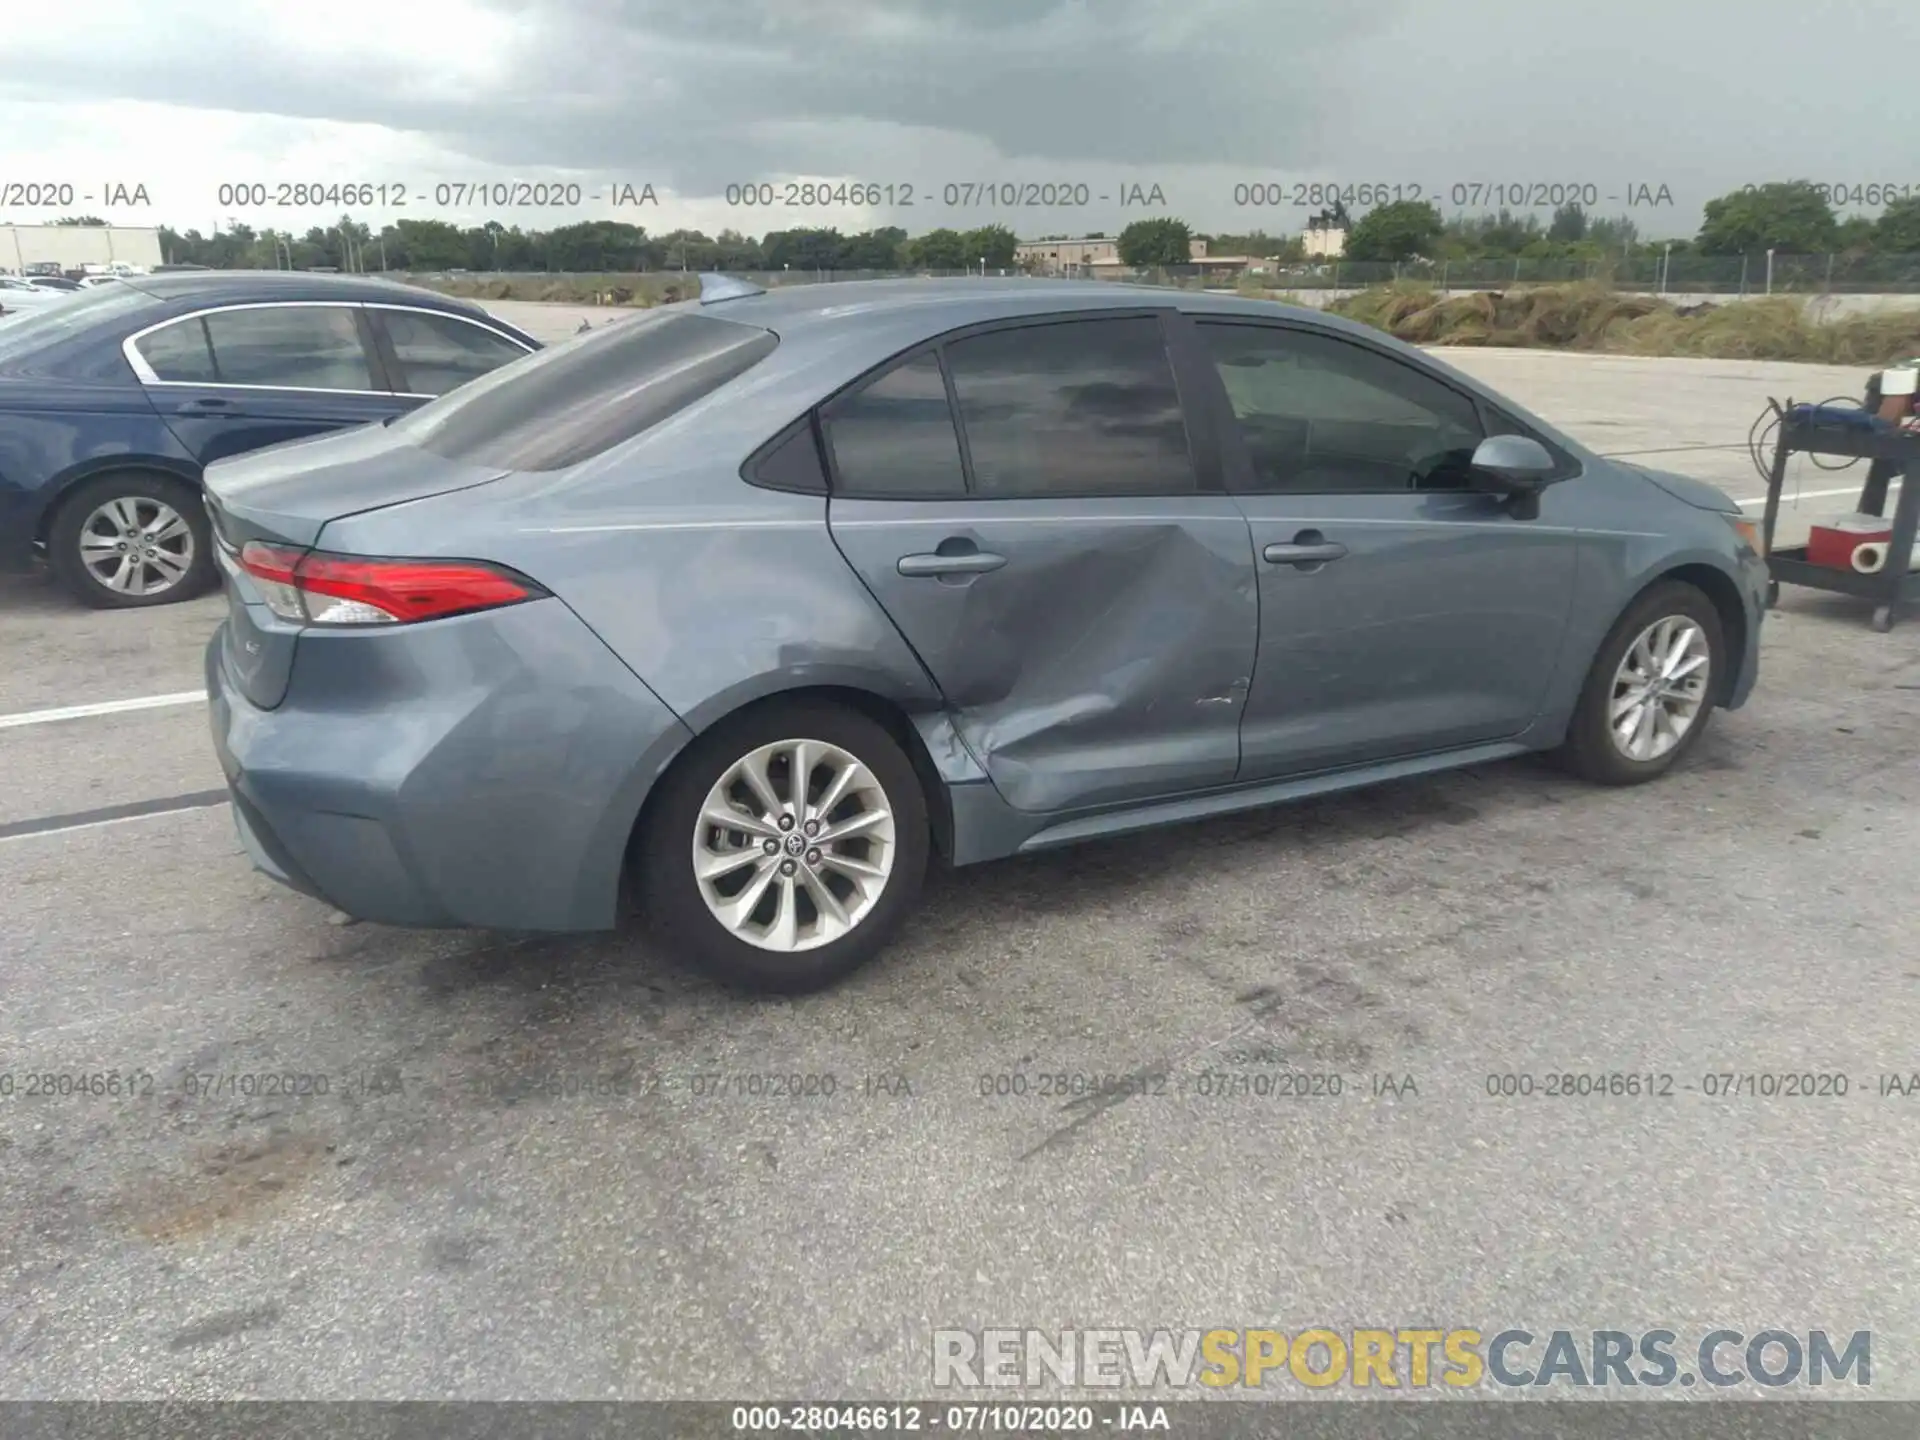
(78, 313)
(440, 352)
(305, 347)
(180, 352)
(895, 437)
(575, 400)
(1319, 414)
(791, 462)
(1087, 407)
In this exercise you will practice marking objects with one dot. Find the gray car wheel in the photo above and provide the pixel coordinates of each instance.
(127, 541)
(786, 847)
(1651, 690)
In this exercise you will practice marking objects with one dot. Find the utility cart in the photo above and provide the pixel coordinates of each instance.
(1888, 453)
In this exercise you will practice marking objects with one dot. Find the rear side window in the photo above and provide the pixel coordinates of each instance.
(579, 399)
(180, 353)
(894, 438)
(438, 353)
(1084, 407)
(290, 347)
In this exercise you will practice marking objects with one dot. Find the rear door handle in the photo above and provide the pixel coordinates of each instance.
(967, 562)
(1313, 553)
(210, 406)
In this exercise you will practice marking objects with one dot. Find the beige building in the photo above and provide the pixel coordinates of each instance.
(73, 246)
(1060, 256)
(1101, 256)
(1324, 242)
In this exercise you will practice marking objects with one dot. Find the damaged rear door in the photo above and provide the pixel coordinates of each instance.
(1029, 503)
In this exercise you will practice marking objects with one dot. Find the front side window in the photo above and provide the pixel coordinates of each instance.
(1082, 407)
(438, 353)
(1322, 415)
(289, 347)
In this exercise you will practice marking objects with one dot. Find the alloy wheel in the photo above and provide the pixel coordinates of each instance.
(794, 845)
(137, 545)
(1659, 688)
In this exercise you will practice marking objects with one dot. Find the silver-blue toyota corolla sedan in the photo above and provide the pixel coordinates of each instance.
(739, 611)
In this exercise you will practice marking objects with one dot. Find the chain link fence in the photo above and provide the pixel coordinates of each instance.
(1678, 274)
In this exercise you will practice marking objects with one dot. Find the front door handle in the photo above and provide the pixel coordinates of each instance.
(1304, 551)
(964, 562)
(209, 405)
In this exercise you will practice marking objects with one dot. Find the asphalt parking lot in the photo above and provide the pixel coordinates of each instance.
(525, 1180)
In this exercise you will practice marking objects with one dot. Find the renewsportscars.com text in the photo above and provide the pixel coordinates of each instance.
(1399, 1358)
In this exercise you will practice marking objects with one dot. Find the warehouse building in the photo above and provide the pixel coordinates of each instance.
(73, 247)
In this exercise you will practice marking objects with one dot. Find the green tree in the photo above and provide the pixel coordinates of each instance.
(873, 249)
(1790, 215)
(1505, 234)
(992, 244)
(1400, 231)
(805, 250)
(1897, 231)
(939, 250)
(1156, 242)
(1613, 237)
(1855, 234)
(92, 220)
(1569, 224)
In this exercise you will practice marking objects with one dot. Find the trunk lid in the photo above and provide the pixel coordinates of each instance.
(286, 495)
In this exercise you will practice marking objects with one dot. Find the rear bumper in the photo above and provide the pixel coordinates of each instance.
(482, 771)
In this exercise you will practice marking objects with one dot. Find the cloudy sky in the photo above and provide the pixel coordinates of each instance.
(1197, 97)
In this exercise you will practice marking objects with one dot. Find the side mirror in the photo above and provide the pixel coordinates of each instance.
(1511, 464)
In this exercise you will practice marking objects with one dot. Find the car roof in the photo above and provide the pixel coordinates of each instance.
(832, 333)
(241, 286)
(902, 306)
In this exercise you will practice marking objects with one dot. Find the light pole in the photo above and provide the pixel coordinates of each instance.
(1666, 262)
(1769, 272)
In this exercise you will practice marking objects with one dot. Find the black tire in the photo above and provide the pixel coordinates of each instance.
(143, 489)
(670, 895)
(1590, 751)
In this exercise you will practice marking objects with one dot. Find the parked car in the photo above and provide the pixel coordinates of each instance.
(53, 282)
(20, 297)
(113, 400)
(741, 608)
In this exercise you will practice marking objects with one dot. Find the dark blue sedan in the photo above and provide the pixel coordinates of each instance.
(113, 402)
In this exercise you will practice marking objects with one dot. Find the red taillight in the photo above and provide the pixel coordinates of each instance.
(320, 589)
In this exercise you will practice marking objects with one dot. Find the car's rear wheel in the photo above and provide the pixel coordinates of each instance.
(123, 541)
(1651, 691)
(785, 848)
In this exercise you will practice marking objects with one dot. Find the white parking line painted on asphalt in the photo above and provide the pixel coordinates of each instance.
(1786, 499)
(99, 824)
(104, 707)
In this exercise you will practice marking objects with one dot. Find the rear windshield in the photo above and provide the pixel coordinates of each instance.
(81, 310)
(560, 406)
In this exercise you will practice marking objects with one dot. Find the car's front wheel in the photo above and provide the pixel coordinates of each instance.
(1652, 688)
(785, 847)
(124, 541)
